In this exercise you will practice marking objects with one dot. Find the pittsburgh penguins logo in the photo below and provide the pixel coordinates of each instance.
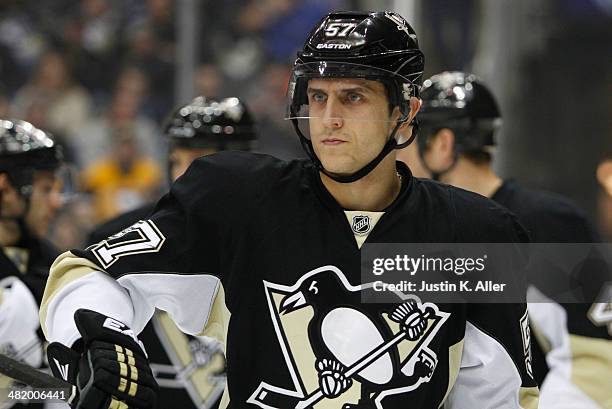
(342, 353)
(197, 363)
(361, 224)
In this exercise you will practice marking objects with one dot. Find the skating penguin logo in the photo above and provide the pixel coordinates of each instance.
(343, 353)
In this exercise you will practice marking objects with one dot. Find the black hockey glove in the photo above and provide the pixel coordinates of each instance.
(107, 365)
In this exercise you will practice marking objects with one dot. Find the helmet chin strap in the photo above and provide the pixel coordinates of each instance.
(353, 177)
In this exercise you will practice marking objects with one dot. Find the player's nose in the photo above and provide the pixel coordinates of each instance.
(332, 116)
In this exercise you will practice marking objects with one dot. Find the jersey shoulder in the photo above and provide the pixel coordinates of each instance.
(548, 216)
(245, 164)
(477, 218)
(238, 173)
(119, 223)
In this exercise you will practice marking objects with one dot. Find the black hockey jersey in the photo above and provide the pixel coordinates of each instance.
(577, 340)
(190, 370)
(29, 260)
(256, 252)
(119, 223)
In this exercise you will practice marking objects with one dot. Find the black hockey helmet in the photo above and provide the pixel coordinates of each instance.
(369, 45)
(462, 103)
(211, 123)
(25, 149)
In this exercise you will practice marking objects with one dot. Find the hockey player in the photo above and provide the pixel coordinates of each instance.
(202, 127)
(265, 256)
(459, 118)
(189, 369)
(29, 198)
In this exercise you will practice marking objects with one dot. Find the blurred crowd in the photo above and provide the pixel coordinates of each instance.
(100, 75)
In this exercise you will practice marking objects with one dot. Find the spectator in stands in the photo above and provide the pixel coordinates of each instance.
(95, 139)
(156, 59)
(61, 103)
(123, 180)
(208, 80)
(93, 36)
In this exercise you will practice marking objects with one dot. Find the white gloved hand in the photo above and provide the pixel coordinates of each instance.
(19, 322)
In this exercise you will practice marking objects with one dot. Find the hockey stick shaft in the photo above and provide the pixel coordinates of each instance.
(32, 376)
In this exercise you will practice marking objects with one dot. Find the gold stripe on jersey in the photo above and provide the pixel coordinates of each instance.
(455, 353)
(198, 379)
(529, 397)
(216, 327)
(541, 339)
(218, 318)
(592, 367)
(66, 269)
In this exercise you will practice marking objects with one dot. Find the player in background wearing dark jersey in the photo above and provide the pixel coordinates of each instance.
(459, 118)
(265, 255)
(29, 198)
(188, 369)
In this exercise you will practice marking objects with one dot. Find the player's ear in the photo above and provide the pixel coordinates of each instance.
(415, 105)
(4, 182)
(443, 143)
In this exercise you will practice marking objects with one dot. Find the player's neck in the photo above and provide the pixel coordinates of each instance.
(374, 192)
(9, 233)
(479, 178)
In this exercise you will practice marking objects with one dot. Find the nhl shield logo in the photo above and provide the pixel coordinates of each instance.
(361, 224)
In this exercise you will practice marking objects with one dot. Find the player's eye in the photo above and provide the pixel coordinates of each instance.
(317, 97)
(354, 97)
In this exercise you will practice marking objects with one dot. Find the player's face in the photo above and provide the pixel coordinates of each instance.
(439, 153)
(181, 158)
(44, 203)
(11, 203)
(349, 122)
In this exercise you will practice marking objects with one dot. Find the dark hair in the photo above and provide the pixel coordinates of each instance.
(479, 157)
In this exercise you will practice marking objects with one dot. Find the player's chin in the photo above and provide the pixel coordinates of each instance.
(339, 164)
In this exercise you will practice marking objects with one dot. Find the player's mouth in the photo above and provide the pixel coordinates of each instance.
(332, 141)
